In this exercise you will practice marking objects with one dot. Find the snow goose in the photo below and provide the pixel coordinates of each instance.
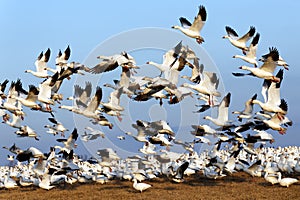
(207, 86)
(286, 182)
(201, 130)
(45, 87)
(193, 30)
(15, 122)
(178, 175)
(179, 94)
(26, 131)
(114, 100)
(266, 70)
(274, 123)
(45, 182)
(247, 112)
(103, 121)
(271, 94)
(222, 119)
(11, 104)
(250, 56)
(41, 65)
(31, 98)
(63, 57)
(2, 88)
(81, 95)
(57, 126)
(271, 178)
(69, 143)
(148, 148)
(140, 186)
(110, 63)
(9, 182)
(94, 134)
(239, 42)
(197, 71)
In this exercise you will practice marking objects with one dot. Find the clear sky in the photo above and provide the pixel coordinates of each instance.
(29, 27)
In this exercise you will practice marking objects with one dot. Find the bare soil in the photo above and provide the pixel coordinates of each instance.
(238, 186)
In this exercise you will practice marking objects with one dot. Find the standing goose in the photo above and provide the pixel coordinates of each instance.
(140, 186)
(41, 65)
(239, 42)
(250, 56)
(286, 182)
(193, 30)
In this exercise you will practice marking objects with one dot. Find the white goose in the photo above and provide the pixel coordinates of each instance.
(207, 86)
(247, 112)
(41, 65)
(63, 57)
(114, 101)
(222, 119)
(239, 42)
(193, 30)
(45, 182)
(266, 70)
(45, 87)
(140, 186)
(286, 182)
(250, 56)
(31, 98)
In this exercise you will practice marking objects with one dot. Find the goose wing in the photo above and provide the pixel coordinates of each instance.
(223, 108)
(94, 103)
(231, 32)
(104, 66)
(199, 20)
(248, 35)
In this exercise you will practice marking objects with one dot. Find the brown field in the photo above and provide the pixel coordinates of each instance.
(237, 186)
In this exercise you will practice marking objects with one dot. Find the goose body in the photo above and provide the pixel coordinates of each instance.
(193, 30)
(140, 186)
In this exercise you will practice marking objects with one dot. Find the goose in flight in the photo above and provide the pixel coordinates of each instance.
(63, 57)
(247, 112)
(239, 42)
(110, 63)
(197, 71)
(41, 65)
(26, 131)
(222, 119)
(57, 127)
(193, 30)
(2, 88)
(207, 86)
(271, 93)
(69, 144)
(250, 56)
(177, 176)
(45, 87)
(81, 95)
(266, 70)
(31, 98)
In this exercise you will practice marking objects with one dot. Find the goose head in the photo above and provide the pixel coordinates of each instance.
(199, 40)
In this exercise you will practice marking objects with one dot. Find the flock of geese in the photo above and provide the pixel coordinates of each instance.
(236, 139)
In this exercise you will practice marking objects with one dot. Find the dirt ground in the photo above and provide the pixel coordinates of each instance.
(237, 186)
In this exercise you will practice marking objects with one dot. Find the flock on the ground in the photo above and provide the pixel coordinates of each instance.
(236, 139)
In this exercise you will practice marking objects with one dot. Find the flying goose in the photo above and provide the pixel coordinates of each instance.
(197, 71)
(41, 65)
(63, 57)
(26, 131)
(250, 56)
(31, 98)
(239, 42)
(247, 112)
(178, 175)
(81, 95)
(2, 88)
(222, 119)
(193, 30)
(266, 70)
(273, 103)
(57, 127)
(110, 63)
(207, 86)
(45, 87)
(69, 144)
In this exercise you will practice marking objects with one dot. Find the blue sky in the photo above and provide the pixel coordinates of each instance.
(27, 28)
